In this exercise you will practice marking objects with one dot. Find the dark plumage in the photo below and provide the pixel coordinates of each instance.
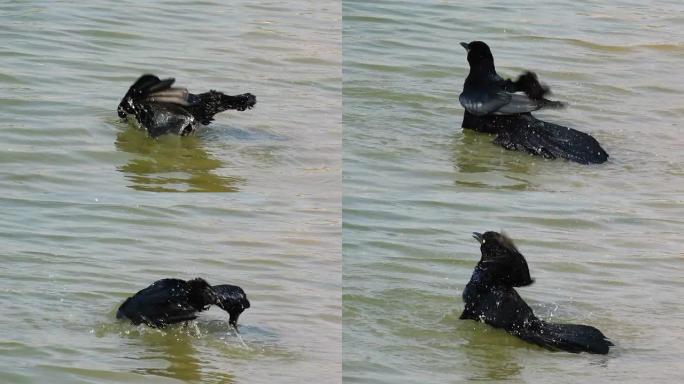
(523, 132)
(160, 108)
(502, 107)
(490, 298)
(487, 93)
(170, 301)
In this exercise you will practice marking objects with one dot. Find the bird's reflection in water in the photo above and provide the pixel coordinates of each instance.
(481, 164)
(179, 358)
(490, 356)
(171, 164)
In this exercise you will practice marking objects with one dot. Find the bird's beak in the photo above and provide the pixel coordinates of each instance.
(233, 319)
(466, 46)
(478, 237)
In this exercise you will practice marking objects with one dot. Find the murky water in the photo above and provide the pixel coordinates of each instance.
(603, 242)
(93, 210)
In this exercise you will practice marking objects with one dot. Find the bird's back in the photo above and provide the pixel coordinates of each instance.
(164, 302)
(497, 305)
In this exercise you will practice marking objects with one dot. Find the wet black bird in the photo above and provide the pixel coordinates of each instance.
(160, 108)
(502, 106)
(170, 301)
(490, 298)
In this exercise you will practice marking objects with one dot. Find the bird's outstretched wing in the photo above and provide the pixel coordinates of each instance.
(482, 103)
(178, 96)
(503, 103)
(522, 103)
(497, 96)
(139, 92)
(528, 83)
(148, 84)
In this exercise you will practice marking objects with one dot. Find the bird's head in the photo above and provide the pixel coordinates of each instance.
(479, 55)
(494, 243)
(231, 299)
(502, 259)
(125, 107)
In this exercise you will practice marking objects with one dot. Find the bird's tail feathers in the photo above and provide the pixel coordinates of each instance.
(573, 338)
(526, 133)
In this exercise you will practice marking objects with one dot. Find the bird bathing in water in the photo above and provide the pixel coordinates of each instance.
(170, 301)
(160, 108)
(490, 297)
(504, 107)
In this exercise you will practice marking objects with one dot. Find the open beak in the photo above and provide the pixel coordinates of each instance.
(478, 237)
(466, 46)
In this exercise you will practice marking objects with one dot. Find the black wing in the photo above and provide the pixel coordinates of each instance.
(482, 103)
(144, 86)
(502, 97)
(150, 83)
(503, 103)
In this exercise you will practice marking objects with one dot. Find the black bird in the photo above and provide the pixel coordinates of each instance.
(502, 107)
(160, 108)
(490, 298)
(170, 301)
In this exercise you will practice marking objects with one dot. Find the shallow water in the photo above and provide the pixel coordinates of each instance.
(603, 242)
(94, 211)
